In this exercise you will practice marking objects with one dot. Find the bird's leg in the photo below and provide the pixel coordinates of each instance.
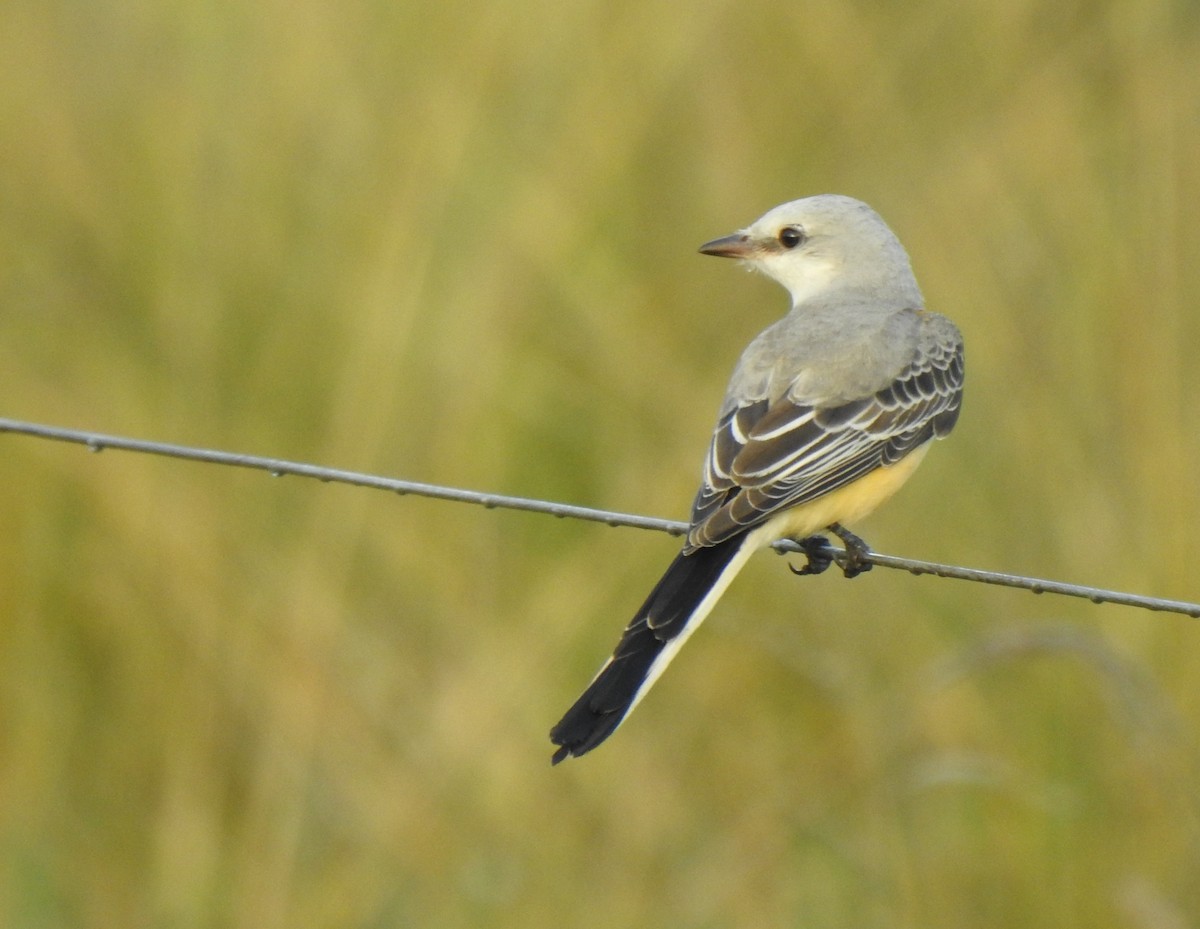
(856, 562)
(818, 551)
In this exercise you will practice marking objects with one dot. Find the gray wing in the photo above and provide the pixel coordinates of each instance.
(767, 455)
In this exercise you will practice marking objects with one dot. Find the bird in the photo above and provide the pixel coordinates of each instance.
(828, 412)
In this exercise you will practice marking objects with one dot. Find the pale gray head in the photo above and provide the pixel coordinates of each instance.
(822, 246)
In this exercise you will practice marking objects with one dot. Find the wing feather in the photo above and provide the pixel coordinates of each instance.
(768, 456)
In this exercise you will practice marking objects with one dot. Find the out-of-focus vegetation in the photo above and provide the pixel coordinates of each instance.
(456, 242)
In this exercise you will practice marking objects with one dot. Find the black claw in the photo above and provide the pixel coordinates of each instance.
(818, 551)
(857, 552)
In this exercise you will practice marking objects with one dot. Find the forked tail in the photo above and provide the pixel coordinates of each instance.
(677, 605)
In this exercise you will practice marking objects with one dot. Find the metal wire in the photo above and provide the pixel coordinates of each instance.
(277, 467)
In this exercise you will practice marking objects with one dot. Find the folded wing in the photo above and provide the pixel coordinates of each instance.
(769, 455)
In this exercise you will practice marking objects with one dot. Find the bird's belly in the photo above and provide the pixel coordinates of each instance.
(845, 505)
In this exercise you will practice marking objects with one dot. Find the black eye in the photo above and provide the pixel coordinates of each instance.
(790, 236)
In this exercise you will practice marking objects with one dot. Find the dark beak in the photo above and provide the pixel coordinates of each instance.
(738, 245)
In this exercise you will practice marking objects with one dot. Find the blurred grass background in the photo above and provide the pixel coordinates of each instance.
(456, 242)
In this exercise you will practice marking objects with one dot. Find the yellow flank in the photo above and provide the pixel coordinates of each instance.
(846, 505)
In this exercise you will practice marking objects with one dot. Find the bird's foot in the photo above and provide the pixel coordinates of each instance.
(857, 553)
(818, 551)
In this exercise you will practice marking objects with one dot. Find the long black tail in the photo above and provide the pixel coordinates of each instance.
(676, 606)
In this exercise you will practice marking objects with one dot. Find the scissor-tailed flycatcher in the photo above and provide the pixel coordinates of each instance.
(828, 412)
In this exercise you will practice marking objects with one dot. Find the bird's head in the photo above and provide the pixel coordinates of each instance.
(819, 245)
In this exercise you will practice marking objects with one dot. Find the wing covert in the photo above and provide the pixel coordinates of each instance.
(767, 456)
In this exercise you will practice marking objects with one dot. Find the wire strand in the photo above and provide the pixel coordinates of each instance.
(277, 467)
